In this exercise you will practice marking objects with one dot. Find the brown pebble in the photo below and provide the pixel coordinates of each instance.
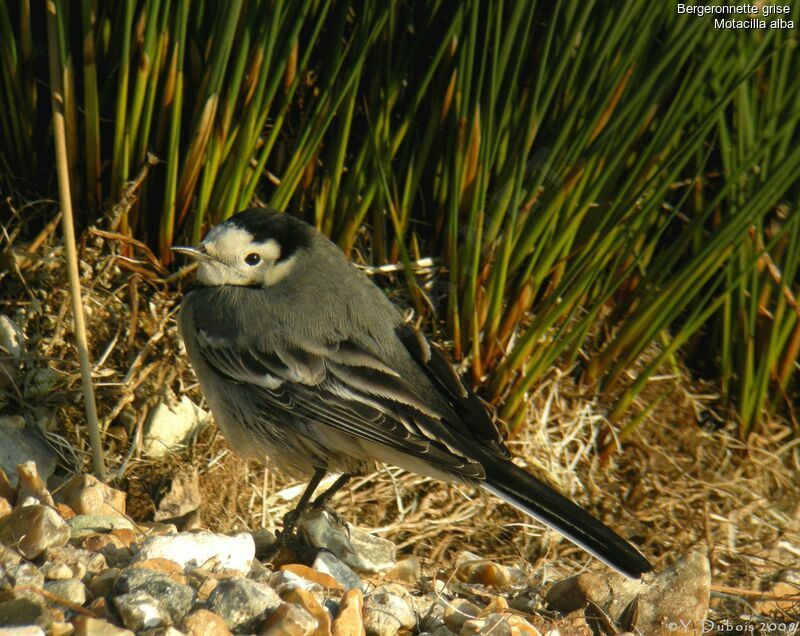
(7, 491)
(164, 566)
(87, 495)
(30, 485)
(289, 620)
(59, 628)
(203, 622)
(325, 580)
(90, 626)
(65, 511)
(100, 607)
(32, 529)
(406, 570)
(485, 573)
(5, 507)
(309, 603)
(128, 537)
(350, 620)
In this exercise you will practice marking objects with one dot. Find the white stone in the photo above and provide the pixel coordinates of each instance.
(12, 340)
(172, 425)
(201, 549)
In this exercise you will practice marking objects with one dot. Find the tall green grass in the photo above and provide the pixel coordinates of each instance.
(598, 184)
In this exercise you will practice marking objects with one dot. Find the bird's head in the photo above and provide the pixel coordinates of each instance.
(256, 247)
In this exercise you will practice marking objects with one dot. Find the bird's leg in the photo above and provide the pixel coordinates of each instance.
(322, 500)
(291, 517)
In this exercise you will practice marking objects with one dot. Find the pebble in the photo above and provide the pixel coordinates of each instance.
(9, 556)
(27, 630)
(81, 562)
(310, 574)
(197, 549)
(25, 610)
(90, 626)
(87, 495)
(12, 339)
(86, 525)
(172, 423)
(102, 583)
(358, 549)
(680, 594)
(56, 571)
(349, 621)
(311, 604)
(164, 566)
(5, 508)
(610, 591)
(285, 581)
(387, 610)
(242, 603)
(175, 598)
(289, 620)
(407, 570)
(486, 573)
(31, 489)
(458, 611)
(20, 443)
(25, 575)
(33, 529)
(327, 563)
(139, 610)
(71, 590)
(500, 625)
(202, 622)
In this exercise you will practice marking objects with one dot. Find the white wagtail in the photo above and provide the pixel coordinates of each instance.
(305, 361)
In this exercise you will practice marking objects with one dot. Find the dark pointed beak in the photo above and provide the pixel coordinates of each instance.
(198, 252)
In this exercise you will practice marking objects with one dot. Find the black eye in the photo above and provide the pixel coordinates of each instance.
(252, 259)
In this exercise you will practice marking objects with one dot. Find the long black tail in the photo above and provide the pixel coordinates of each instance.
(524, 491)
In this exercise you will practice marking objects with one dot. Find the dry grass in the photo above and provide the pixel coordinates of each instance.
(674, 487)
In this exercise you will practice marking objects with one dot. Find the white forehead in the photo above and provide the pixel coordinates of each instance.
(228, 239)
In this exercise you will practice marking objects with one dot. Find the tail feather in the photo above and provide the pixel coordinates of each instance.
(534, 497)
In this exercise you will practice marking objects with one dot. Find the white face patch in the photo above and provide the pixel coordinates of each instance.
(234, 258)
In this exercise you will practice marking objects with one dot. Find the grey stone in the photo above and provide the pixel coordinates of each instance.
(358, 549)
(174, 597)
(243, 604)
(56, 571)
(20, 443)
(9, 556)
(139, 611)
(33, 529)
(25, 575)
(25, 610)
(82, 562)
(102, 583)
(71, 590)
(388, 609)
(458, 611)
(327, 563)
(680, 594)
(87, 525)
